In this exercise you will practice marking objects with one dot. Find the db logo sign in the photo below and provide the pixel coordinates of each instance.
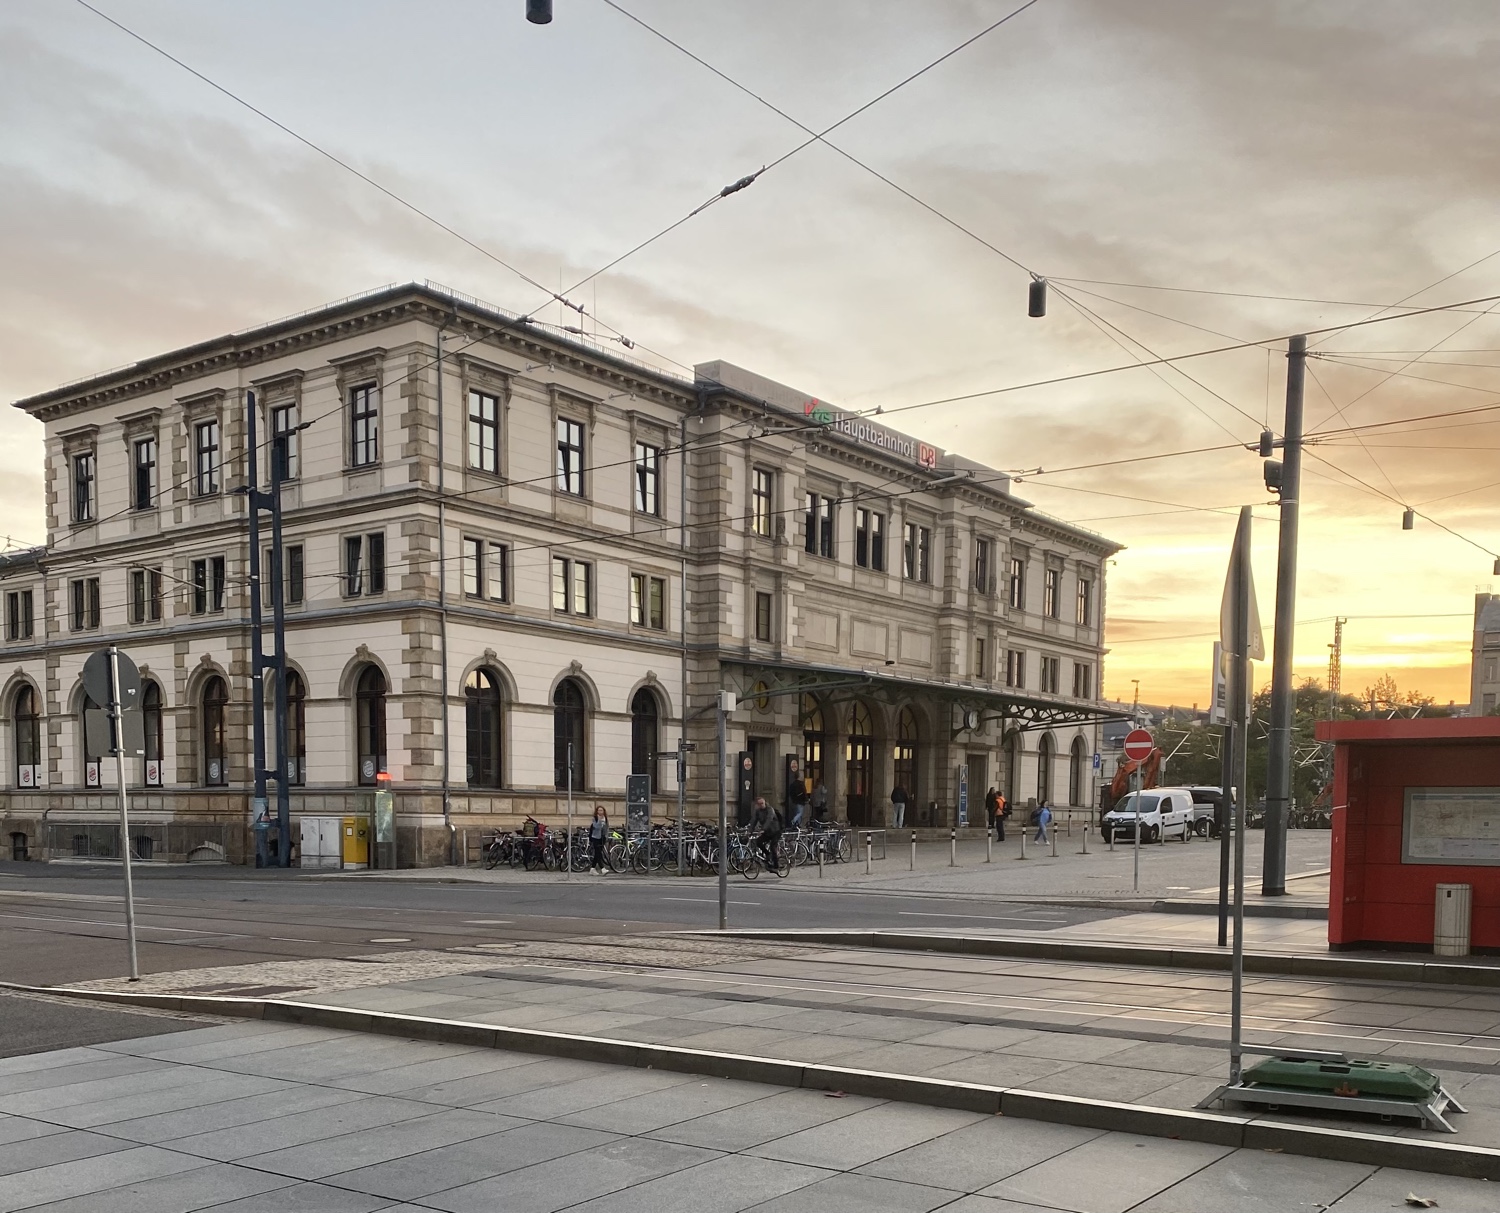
(926, 456)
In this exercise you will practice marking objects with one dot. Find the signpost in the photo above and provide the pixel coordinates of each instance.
(1138, 746)
(111, 678)
(638, 804)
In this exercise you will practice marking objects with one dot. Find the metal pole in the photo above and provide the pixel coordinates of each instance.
(989, 846)
(867, 853)
(257, 651)
(1239, 688)
(913, 850)
(1135, 786)
(1279, 747)
(723, 823)
(1023, 840)
(953, 848)
(117, 724)
(682, 804)
(1085, 839)
(568, 850)
(1226, 779)
(1052, 840)
(442, 579)
(279, 456)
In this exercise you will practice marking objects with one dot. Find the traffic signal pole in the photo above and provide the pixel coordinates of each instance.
(1279, 759)
(270, 502)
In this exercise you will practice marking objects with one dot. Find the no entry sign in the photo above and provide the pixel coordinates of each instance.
(1138, 745)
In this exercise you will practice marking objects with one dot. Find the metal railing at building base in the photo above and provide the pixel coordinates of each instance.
(161, 842)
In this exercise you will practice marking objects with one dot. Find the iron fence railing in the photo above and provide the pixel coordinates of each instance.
(153, 841)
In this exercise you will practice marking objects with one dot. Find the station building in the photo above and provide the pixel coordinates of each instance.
(517, 561)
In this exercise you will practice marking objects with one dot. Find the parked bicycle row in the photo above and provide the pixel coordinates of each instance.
(695, 851)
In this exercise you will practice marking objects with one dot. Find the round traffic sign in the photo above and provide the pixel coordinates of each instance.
(1138, 745)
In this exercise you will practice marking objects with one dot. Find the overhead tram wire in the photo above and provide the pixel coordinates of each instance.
(814, 136)
(1359, 436)
(550, 294)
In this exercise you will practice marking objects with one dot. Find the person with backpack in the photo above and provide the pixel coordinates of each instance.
(1043, 820)
(992, 812)
(765, 831)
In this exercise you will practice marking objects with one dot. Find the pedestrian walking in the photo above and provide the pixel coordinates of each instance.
(598, 836)
(765, 831)
(899, 798)
(797, 795)
(992, 811)
(1043, 820)
(819, 803)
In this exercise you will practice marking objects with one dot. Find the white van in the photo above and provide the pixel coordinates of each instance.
(1159, 813)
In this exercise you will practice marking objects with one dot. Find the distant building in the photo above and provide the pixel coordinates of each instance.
(518, 568)
(1484, 674)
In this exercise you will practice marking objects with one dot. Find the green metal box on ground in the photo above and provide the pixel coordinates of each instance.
(1385, 1079)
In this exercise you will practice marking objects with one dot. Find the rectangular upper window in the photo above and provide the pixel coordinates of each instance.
(1085, 603)
(570, 457)
(982, 565)
(762, 493)
(1017, 595)
(364, 425)
(484, 431)
(364, 564)
(286, 444)
(84, 601)
(18, 615)
(572, 586)
(869, 539)
(145, 595)
(762, 615)
(208, 584)
(83, 486)
(917, 553)
(981, 658)
(1052, 593)
(1050, 674)
(1015, 668)
(206, 458)
(486, 569)
(818, 538)
(648, 601)
(647, 479)
(293, 572)
(1083, 681)
(143, 480)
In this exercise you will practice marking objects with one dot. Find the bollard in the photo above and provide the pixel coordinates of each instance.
(953, 848)
(989, 840)
(1085, 840)
(1053, 841)
(913, 850)
(820, 859)
(1110, 838)
(1070, 825)
(1023, 842)
(867, 853)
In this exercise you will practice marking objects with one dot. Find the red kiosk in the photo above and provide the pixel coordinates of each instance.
(1416, 805)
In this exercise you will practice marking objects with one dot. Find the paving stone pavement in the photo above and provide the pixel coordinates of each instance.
(271, 1118)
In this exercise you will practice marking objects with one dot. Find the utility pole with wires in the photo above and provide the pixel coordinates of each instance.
(1283, 477)
(268, 502)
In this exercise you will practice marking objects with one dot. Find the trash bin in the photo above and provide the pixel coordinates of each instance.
(1453, 915)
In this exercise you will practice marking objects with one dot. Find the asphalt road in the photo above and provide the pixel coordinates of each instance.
(61, 924)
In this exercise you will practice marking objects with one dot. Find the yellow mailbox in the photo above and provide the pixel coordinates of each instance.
(356, 840)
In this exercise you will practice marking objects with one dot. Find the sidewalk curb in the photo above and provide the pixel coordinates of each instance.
(1282, 964)
(1472, 1162)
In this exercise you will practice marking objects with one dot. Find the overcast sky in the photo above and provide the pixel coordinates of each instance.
(1341, 152)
